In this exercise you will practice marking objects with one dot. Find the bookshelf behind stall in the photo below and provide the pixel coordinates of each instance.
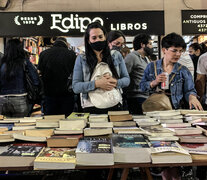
(34, 46)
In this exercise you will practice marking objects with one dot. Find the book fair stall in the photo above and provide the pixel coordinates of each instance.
(116, 140)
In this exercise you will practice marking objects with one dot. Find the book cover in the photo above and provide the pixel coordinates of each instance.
(197, 148)
(78, 116)
(158, 130)
(55, 158)
(20, 155)
(94, 145)
(28, 150)
(163, 146)
(129, 141)
(186, 131)
(95, 151)
(130, 148)
(176, 125)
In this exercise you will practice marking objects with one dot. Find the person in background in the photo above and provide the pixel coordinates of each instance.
(200, 83)
(116, 40)
(13, 93)
(195, 50)
(186, 61)
(182, 85)
(125, 51)
(96, 51)
(55, 66)
(136, 62)
(1, 55)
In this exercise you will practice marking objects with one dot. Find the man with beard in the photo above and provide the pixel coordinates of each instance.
(136, 63)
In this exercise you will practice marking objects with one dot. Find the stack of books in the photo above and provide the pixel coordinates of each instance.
(73, 124)
(168, 152)
(130, 148)
(55, 158)
(122, 121)
(98, 125)
(143, 120)
(95, 151)
(159, 133)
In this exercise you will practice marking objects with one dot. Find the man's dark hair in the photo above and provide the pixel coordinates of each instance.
(140, 39)
(173, 39)
(60, 40)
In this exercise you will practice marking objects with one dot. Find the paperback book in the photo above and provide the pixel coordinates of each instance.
(95, 151)
(55, 158)
(21, 155)
(130, 148)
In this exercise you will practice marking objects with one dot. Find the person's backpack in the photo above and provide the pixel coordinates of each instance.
(34, 92)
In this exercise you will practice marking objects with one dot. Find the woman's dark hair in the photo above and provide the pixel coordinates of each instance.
(13, 58)
(197, 46)
(91, 58)
(112, 35)
(204, 48)
(173, 39)
(140, 39)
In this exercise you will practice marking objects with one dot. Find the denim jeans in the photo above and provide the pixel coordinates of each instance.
(58, 105)
(14, 106)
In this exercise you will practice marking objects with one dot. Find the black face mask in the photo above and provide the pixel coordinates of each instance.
(98, 45)
(118, 48)
(148, 51)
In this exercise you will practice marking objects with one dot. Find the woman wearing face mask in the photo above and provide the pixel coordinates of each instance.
(195, 50)
(116, 40)
(97, 51)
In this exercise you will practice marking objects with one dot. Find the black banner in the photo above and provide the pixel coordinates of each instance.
(75, 23)
(194, 22)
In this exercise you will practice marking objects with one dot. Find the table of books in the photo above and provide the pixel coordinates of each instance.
(202, 161)
(127, 147)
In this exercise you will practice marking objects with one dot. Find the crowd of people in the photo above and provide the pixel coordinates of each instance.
(128, 77)
(131, 73)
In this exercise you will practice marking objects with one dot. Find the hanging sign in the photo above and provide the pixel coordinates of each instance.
(75, 23)
(194, 22)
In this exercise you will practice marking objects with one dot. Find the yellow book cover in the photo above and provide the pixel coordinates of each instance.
(77, 116)
(55, 158)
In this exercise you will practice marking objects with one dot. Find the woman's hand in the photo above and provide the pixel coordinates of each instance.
(106, 83)
(193, 101)
(160, 78)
